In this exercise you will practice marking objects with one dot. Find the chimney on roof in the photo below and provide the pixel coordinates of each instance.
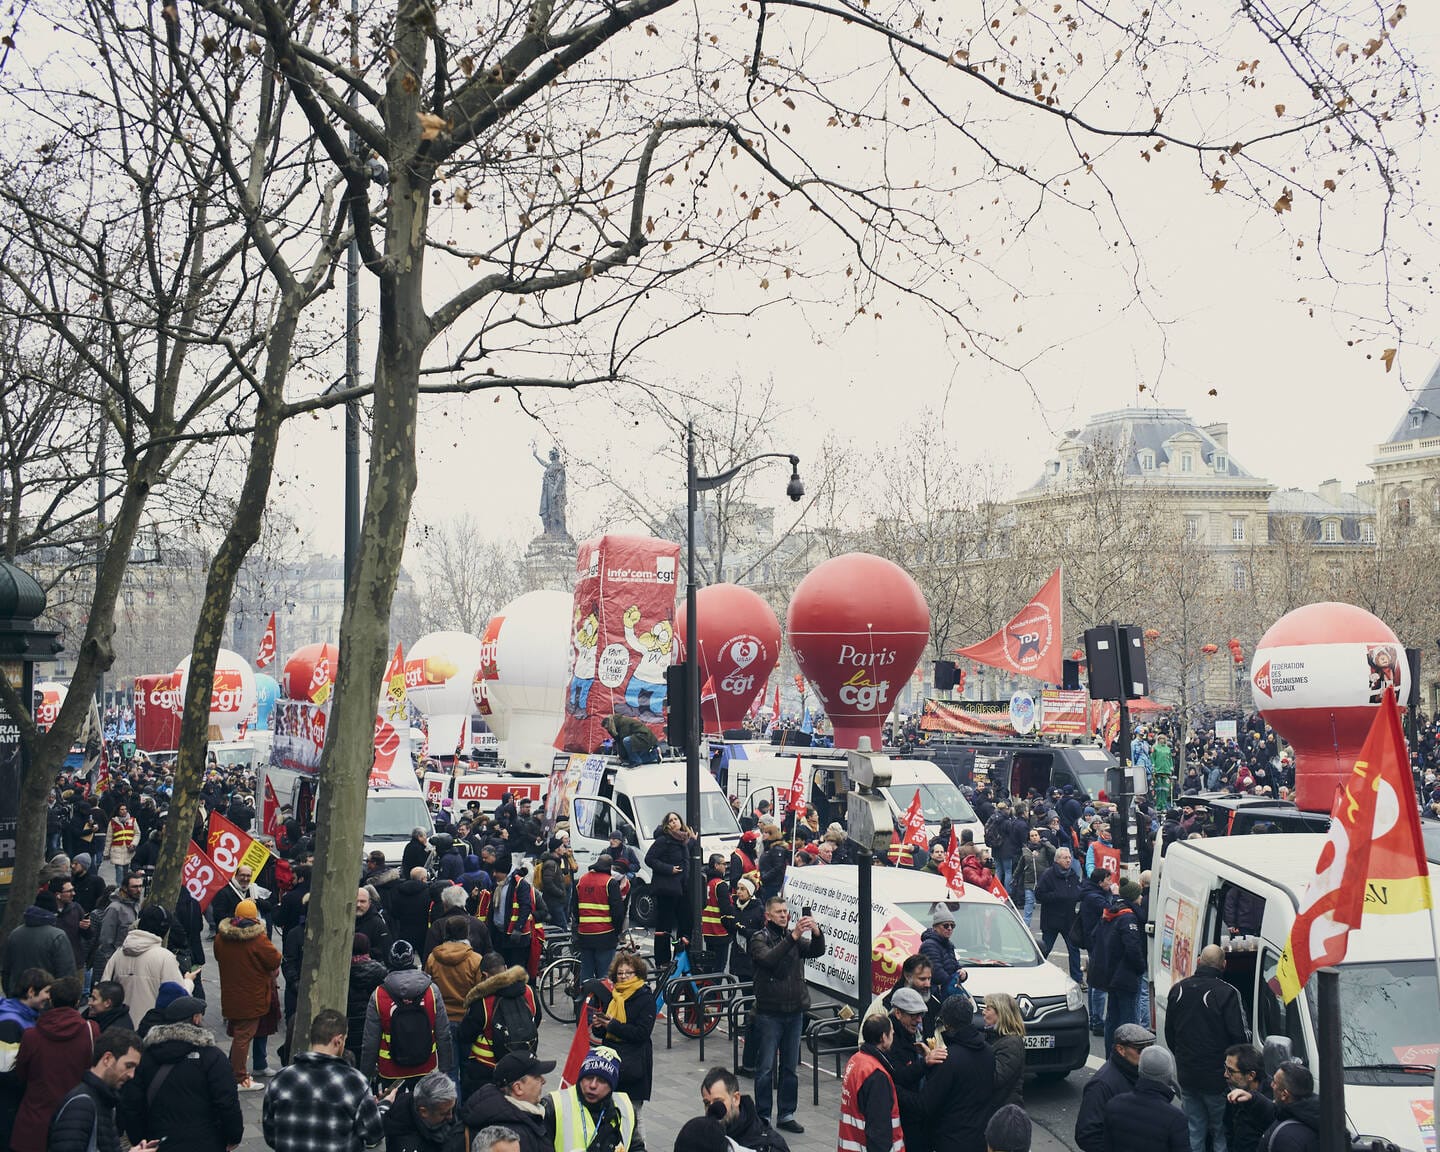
(1330, 491)
(1365, 490)
(1220, 433)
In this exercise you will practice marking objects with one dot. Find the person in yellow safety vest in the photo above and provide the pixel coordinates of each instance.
(869, 1105)
(475, 1038)
(900, 855)
(717, 918)
(591, 1116)
(124, 838)
(407, 1033)
(597, 910)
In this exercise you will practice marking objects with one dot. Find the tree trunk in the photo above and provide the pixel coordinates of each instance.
(215, 607)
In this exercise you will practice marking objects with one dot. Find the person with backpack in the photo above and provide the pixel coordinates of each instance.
(501, 1017)
(1095, 898)
(407, 1033)
(624, 1021)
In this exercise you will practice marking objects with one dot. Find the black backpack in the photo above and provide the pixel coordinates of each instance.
(514, 1029)
(412, 1036)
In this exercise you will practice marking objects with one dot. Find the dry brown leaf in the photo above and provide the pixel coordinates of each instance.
(1217, 184)
(1389, 357)
(1279, 109)
(1285, 202)
(1329, 185)
(430, 125)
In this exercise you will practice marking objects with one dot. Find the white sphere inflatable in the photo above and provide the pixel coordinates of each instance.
(439, 671)
(528, 670)
(232, 696)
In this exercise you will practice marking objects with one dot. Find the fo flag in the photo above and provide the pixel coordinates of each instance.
(952, 869)
(914, 832)
(267, 645)
(1369, 806)
(1030, 644)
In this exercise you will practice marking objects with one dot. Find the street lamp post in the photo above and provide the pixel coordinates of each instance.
(694, 485)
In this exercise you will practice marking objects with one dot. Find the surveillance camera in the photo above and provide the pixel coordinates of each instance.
(795, 489)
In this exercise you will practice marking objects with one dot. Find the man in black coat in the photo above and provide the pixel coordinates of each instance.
(778, 953)
(743, 1124)
(957, 1091)
(1118, 1075)
(1248, 1107)
(183, 1090)
(410, 908)
(1146, 1118)
(1203, 1019)
(371, 921)
(417, 851)
(85, 1120)
(1057, 893)
(512, 1100)
(1296, 1127)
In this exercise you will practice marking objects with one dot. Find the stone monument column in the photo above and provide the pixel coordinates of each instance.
(550, 558)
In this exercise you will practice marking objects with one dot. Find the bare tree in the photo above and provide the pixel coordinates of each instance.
(468, 578)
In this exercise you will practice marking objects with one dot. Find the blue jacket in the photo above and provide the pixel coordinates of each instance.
(1145, 1118)
(943, 961)
(1117, 950)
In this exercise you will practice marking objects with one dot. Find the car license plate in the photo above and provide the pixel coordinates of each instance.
(1045, 1040)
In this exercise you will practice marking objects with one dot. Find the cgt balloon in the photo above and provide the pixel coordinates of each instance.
(739, 641)
(857, 625)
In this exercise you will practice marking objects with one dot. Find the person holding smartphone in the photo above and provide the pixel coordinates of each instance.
(778, 952)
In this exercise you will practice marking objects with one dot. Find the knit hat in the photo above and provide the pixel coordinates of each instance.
(1129, 891)
(748, 885)
(601, 1062)
(1157, 1064)
(83, 860)
(360, 944)
(402, 956)
(169, 992)
(942, 915)
(1009, 1130)
(246, 910)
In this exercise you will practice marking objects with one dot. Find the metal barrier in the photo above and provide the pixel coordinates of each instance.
(738, 1015)
(719, 995)
(698, 984)
(830, 1036)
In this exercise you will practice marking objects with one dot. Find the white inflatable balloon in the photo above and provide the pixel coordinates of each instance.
(232, 695)
(524, 672)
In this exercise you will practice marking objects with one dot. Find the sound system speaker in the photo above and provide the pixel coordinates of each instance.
(944, 675)
(1132, 661)
(1070, 675)
(1116, 675)
(1412, 657)
(677, 706)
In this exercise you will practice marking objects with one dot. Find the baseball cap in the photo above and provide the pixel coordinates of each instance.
(908, 1000)
(1134, 1036)
(183, 1008)
(516, 1065)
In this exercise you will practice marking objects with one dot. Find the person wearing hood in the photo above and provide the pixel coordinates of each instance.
(120, 916)
(512, 1100)
(183, 1090)
(37, 943)
(410, 908)
(452, 907)
(956, 1095)
(144, 963)
(421, 1117)
(1119, 1074)
(248, 964)
(475, 1038)
(1296, 1127)
(405, 986)
(1145, 1117)
(17, 1016)
(366, 975)
(54, 1057)
(744, 1125)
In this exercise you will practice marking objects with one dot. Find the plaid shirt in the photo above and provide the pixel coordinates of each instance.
(320, 1104)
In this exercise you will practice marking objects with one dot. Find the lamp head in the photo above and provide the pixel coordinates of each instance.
(795, 489)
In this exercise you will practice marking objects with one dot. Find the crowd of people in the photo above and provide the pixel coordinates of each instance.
(102, 1027)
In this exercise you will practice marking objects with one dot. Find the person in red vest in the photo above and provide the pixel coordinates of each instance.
(407, 1033)
(123, 837)
(597, 910)
(718, 915)
(743, 861)
(512, 917)
(869, 1106)
(479, 1048)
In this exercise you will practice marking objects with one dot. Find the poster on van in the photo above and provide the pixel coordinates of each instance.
(622, 637)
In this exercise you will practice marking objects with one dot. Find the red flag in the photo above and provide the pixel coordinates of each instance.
(230, 847)
(386, 745)
(914, 831)
(1398, 879)
(997, 889)
(951, 869)
(1030, 644)
(270, 810)
(201, 878)
(267, 645)
(579, 1048)
(708, 698)
(1334, 900)
(796, 802)
(775, 709)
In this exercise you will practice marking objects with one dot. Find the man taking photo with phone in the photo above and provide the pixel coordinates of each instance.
(778, 953)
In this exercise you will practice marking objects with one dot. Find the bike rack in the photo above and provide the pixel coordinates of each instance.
(710, 979)
(819, 1030)
(722, 995)
(738, 1015)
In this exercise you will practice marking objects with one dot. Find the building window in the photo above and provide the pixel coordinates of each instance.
(1367, 533)
(1237, 530)
(1192, 527)
(1237, 578)
(1186, 462)
(1329, 532)
(1147, 460)
(1222, 463)
(1416, 419)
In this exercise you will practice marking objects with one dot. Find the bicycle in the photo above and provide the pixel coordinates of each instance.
(683, 1000)
(559, 985)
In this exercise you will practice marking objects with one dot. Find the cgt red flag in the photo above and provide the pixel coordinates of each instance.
(914, 831)
(579, 1049)
(200, 877)
(267, 645)
(952, 868)
(796, 802)
(1030, 644)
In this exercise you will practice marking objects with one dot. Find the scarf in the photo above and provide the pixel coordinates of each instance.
(623, 990)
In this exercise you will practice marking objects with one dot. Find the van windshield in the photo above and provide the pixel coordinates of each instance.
(716, 819)
(1391, 1018)
(937, 800)
(394, 817)
(985, 934)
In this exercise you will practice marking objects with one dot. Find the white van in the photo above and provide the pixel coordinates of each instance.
(391, 814)
(996, 949)
(757, 772)
(600, 795)
(1242, 892)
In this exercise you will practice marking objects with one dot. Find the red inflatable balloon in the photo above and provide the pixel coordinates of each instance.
(739, 641)
(1317, 677)
(857, 625)
(310, 673)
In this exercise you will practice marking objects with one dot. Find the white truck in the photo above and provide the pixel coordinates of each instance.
(757, 771)
(1242, 892)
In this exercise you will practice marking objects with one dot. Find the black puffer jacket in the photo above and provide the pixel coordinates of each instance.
(196, 1104)
(667, 860)
(957, 1093)
(88, 1108)
(410, 911)
(779, 963)
(1117, 1076)
(1145, 1118)
(1203, 1017)
(488, 1106)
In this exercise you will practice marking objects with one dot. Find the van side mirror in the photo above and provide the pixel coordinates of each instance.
(1277, 1051)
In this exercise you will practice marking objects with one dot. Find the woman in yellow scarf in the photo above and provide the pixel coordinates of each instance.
(625, 1020)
